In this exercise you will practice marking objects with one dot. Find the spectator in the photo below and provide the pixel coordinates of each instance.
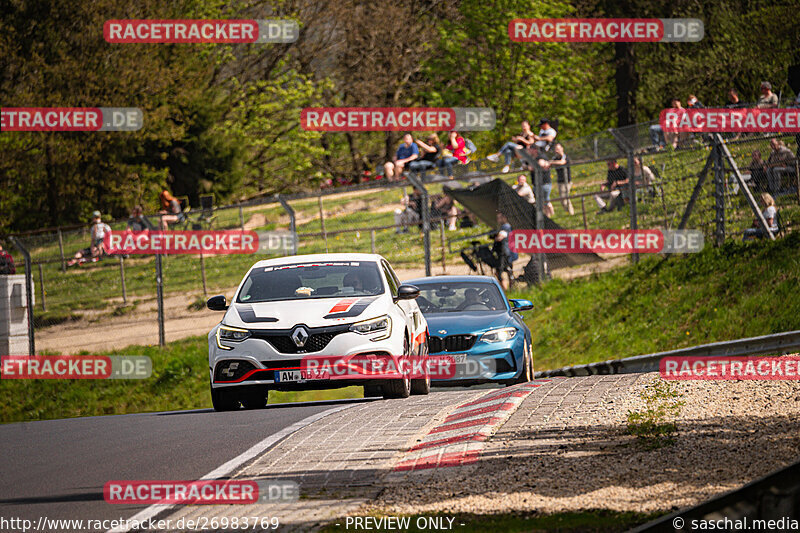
(443, 206)
(96, 247)
(547, 183)
(780, 162)
(7, 267)
(523, 140)
(523, 189)
(454, 152)
(673, 137)
(768, 99)
(430, 154)
(411, 212)
(693, 103)
(616, 180)
(171, 211)
(406, 152)
(503, 251)
(758, 171)
(770, 214)
(563, 177)
(733, 100)
(138, 222)
(642, 174)
(546, 135)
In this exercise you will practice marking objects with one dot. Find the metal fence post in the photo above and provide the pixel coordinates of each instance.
(203, 274)
(160, 299)
(122, 279)
(371, 240)
(292, 221)
(719, 195)
(41, 287)
(322, 223)
(241, 218)
(29, 293)
(61, 251)
(634, 207)
(541, 262)
(426, 219)
(442, 242)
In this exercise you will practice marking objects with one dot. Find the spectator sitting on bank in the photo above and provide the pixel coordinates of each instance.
(454, 152)
(171, 211)
(781, 161)
(543, 165)
(693, 103)
(406, 153)
(523, 189)
(733, 100)
(442, 205)
(770, 214)
(431, 151)
(96, 248)
(642, 174)
(616, 183)
(546, 135)
(523, 140)
(563, 177)
(659, 137)
(758, 171)
(410, 212)
(138, 222)
(7, 267)
(768, 99)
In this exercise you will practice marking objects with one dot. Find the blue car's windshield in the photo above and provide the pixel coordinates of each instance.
(458, 297)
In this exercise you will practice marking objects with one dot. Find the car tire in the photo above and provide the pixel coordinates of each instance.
(398, 388)
(254, 397)
(527, 365)
(421, 387)
(224, 399)
(372, 390)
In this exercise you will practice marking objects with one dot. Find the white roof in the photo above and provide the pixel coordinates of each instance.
(311, 258)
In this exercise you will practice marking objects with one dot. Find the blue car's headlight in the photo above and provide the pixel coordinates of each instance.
(229, 334)
(499, 335)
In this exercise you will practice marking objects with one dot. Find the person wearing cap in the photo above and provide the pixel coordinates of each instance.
(98, 232)
(768, 99)
(546, 135)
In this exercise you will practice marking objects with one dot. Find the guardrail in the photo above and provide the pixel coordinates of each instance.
(766, 344)
(773, 497)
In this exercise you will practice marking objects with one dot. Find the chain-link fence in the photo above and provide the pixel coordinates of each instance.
(112, 302)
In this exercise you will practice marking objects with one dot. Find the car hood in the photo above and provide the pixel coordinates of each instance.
(311, 312)
(466, 322)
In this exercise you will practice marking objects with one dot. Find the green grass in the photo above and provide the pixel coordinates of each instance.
(738, 290)
(586, 521)
(179, 381)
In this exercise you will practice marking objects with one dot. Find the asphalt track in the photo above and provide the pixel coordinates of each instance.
(57, 468)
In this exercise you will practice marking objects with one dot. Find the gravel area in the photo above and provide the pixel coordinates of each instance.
(566, 449)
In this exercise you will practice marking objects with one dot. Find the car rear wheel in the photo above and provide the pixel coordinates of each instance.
(372, 390)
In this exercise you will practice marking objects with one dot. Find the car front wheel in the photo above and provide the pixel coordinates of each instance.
(398, 388)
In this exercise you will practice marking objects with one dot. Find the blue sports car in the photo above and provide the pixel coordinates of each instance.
(470, 319)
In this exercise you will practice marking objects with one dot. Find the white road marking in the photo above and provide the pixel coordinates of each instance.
(232, 465)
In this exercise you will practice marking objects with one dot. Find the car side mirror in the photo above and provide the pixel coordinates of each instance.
(520, 305)
(407, 292)
(217, 303)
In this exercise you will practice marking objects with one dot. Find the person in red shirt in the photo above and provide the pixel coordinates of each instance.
(7, 267)
(456, 146)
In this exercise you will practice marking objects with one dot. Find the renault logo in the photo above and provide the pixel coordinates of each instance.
(300, 336)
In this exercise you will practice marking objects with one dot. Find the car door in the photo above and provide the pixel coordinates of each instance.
(415, 321)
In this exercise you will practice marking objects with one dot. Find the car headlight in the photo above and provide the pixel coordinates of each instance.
(229, 334)
(382, 324)
(499, 335)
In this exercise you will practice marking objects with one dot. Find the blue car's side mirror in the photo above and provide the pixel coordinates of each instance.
(520, 305)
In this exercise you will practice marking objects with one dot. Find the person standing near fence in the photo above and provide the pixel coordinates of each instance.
(7, 267)
(563, 176)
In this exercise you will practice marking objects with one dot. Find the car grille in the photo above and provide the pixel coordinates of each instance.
(232, 369)
(451, 343)
(317, 340)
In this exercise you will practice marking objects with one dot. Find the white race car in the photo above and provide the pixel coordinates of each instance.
(293, 318)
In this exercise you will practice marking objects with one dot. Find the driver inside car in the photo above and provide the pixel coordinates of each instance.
(471, 297)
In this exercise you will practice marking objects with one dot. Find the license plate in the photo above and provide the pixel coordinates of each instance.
(299, 375)
(460, 358)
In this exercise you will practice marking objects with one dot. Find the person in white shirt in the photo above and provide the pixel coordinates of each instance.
(523, 189)
(546, 135)
(96, 249)
(770, 214)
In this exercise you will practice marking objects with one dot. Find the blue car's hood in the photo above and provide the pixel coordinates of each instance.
(466, 322)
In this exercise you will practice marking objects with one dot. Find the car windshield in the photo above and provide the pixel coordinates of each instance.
(458, 297)
(301, 281)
